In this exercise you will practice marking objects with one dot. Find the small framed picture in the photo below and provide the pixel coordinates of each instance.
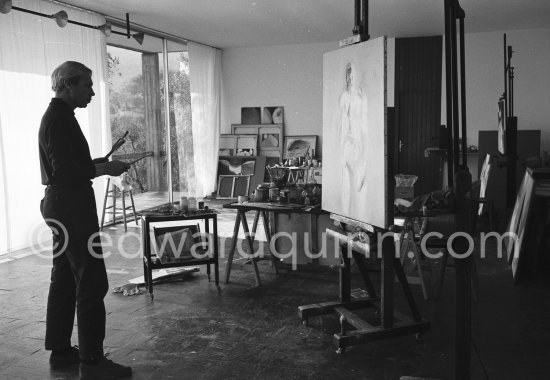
(272, 115)
(251, 115)
(299, 146)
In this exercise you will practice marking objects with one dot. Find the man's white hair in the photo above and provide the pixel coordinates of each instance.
(68, 72)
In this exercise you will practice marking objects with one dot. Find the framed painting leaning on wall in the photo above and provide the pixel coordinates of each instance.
(299, 146)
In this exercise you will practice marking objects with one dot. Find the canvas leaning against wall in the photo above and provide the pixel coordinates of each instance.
(354, 130)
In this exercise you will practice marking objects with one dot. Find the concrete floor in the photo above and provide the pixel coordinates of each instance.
(191, 332)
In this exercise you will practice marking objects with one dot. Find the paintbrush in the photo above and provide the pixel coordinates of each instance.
(117, 145)
(138, 159)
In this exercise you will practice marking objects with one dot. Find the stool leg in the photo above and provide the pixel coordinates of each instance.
(105, 203)
(418, 258)
(114, 204)
(133, 207)
(123, 194)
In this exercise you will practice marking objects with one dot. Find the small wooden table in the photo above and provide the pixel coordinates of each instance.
(263, 208)
(210, 220)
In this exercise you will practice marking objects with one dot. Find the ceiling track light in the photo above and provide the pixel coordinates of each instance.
(105, 29)
(62, 19)
(5, 6)
(139, 37)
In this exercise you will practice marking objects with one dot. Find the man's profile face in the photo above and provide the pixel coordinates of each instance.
(81, 93)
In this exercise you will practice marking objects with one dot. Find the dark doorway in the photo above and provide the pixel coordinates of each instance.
(418, 63)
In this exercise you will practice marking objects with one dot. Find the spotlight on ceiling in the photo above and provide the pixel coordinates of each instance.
(5, 6)
(105, 29)
(139, 37)
(61, 18)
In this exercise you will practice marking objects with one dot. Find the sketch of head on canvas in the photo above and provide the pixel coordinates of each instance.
(352, 122)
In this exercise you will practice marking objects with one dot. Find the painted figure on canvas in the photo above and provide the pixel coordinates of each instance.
(354, 132)
(353, 110)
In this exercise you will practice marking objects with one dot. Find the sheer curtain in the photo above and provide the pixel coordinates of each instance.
(31, 47)
(205, 78)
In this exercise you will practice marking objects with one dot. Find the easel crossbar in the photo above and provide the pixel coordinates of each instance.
(354, 337)
(391, 323)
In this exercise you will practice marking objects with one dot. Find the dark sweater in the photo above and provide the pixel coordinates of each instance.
(64, 152)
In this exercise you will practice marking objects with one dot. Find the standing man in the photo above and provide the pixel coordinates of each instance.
(78, 278)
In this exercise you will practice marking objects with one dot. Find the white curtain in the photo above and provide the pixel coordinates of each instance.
(205, 78)
(31, 47)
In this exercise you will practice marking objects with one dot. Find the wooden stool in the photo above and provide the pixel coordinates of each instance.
(113, 192)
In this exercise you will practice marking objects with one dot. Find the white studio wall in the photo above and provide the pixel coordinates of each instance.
(485, 81)
(290, 75)
(287, 75)
(354, 131)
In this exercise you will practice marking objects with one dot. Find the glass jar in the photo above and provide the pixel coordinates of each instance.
(192, 204)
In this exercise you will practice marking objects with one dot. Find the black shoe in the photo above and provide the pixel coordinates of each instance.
(104, 369)
(65, 361)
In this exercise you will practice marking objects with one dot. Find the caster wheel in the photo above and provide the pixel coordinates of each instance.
(219, 291)
(419, 336)
(340, 350)
(305, 322)
(152, 297)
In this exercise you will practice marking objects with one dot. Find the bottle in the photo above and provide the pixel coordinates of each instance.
(273, 191)
(307, 159)
(316, 193)
(184, 204)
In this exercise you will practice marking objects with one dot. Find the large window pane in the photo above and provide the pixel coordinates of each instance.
(136, 106)
(180, 119)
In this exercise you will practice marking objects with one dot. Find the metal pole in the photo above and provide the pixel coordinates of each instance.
(463, 266)
(128, 25)
(454, 72)
(357, 18)
(463, 92)
(449, 95)
(511, 81)
(365, 21)
(167, 119)
(505, 81)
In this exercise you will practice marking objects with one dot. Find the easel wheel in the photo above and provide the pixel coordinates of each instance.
(340, 350)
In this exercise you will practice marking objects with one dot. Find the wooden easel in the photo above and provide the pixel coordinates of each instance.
(391, 323)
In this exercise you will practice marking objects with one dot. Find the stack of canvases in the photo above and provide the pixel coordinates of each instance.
(244, 153)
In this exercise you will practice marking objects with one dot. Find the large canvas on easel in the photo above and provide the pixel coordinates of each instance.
(354, 131)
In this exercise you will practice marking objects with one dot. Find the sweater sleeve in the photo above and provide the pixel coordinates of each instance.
(68, 165)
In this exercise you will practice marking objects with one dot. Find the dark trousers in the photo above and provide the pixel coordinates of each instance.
(78, 277)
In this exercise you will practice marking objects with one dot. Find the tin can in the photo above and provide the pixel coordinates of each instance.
(273, 192)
